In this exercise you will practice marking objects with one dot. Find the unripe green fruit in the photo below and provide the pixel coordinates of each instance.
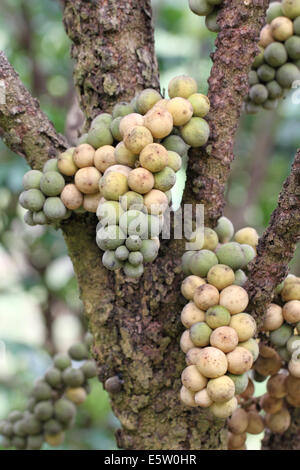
(132, 200)
(32, 199)
(28, 218)
(259, 59)
(266, 73)
(109, 213)
(224, 229)
(200, 7)
(273, 11)
(133, 271)
(281, 336)
(62, 361)
(252, 346)
(122, 109)
(258, 93)
(99, 136)
(135, 258)
(15, 415)
(6, 428)
(291, 8)
(231, 254)
(275, 54)
(124, 156)
(185, 262)
(43, 410)
(110, 261)
(196, 132)
(211, 22)
(53, 377)
(52, 427)
(253, 78)
(52, 183)
(249, 253)
(54, 208)
(133, 243)
(73, 377)
(39, 218)
(270, 104)
(103, 118)
(19, 428)
(274, 89)
(154, 226)
(287, 74)
(82, 139)
(202, 261)
(176, 144)
(42, 391)
(174, 161)
(149, 250)
(284, 354)
(165, 179)
(18, 442)
(115, 128)
(292, 46)
(200, 333)
(113, 185)
(89, 369)
(200, 104)
(122, 253)
(252, 108)
(134, 222)
(64, 410)
(78, 352)
(297, 26)
(109, 238)
(240, 278)
(240, 382)
(35, 442)
(31, 179)
(217, 316)
(51, 165)
(146, 100)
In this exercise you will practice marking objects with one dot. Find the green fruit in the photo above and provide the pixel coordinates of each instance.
(43, 410)
(15, 415)
(175, 144)
(89, 369)
(133, 243)
(224, 229)
(274, 90)
(110, 261)
(52, 183)
(18, 442)
(232, 255)
(202, 261)
(64, 410)
(217, 316)
(211, 22)
(51, 165)
(252, 346)
(252, 108)
(109, 213)
(165, 179)
(270, 104)
(253, 78)
(258, 93)
(281, 336)
(28, 218)
(31, 179)
(146, 100)
(88, 339)
(200, 104)
(6, 428)
(249, 253)
(132, 200)
(135, 258)
(297, 26)
(284, 354)
(42, 391)
(99, 136)
(122, 109)
(266, 73)
(287, 74)
(292, 46)
(35, 442)
(122, 253)
(33, 425)
(273, 11)
(109, 238)
(115, 129)
(149, 250)
(240, 277)
(103, 118)
(53, 377)
(196, 132)
(52, 427)
(259, 59)
(73, 377)
(134, 222)
(291, 8)
(133, 271)
(185, 262)
(82, 139)
(78, 352)
(275, 54)
(124, 156)
(54, 208)
(200, 7)
(39, 218)
(200, 333)
(240, 382)
(62, 361)
(32, 199)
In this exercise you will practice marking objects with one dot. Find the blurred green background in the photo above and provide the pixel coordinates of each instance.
(40, 311)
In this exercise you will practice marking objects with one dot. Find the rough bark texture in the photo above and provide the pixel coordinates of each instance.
(236, 47)
(277, 245)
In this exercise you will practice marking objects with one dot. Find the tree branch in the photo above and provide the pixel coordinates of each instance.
(24, 127)
(236, 48)
(277, 245)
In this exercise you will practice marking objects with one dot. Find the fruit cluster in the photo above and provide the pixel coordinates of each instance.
(218, 342)
(277, 66)
(209, 9)
(51, 407)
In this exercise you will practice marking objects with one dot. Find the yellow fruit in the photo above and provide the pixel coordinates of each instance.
(159, 122)
(203, 399)
(189, 286)
(154, 157)
(129, 121)
(220, 276)
(192, 379)
(140, 180)
(182, 86)
(224, 338)
(191, 314)
(87, 180)
(71, 197)
(239, 361)
(273, 318)
(234, 298)
(104, 157)
(66, 164)
(282, 28)
(181, 110)
(83, 156)
(225, 409)
(91, 202)
(206, 296)
(212, 362)
(137, 138)
(187, 396)
(156, 202)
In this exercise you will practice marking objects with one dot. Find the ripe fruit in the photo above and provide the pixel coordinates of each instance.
(256, 423)
(291, 311)
(196, 132)
(279, 422)
(129, 121)
(187, 396)
(54, 208)
(156, 202)
(221, 389)
(281, 28)
(113, 185)
(146, 100)
(239, 361)
(91, 202)
(185, 342)
(83, 155)
(266, 37)
(71, 197)
(244, 325)
(180, 109)
(154, 157)
(238, 422)
(66, 163)
(206, 296)
(247, 235)
(224, 338)
(217, 316)
(203, 399)
(174, 160)
(55, 440)
(76, 395)
(220, 276)
(192, 379)
(277, 386)
(212, 362)
(159, 122)
(140, 180)
(234, 298)
(224, 409)
(183, 85)
(104, 157)
(273, 318)
(87, 180)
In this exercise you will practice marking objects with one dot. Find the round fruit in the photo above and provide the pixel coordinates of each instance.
(252, 346)
(291, 311)
(189, 286)
(287, 74)
(110, 237)
(54, 208)
(91, 202)
(159, 122)
(192, 379)
(66, 163)
(206, 296)
(203, 399)
(133, 272)
(266, 37)
(240, 381)
(224, 338)
(113, 185)
(183, 85)
(280, 336)
(180, 109)
(276, 54)
(200, 334)
(217, 316)
(187, 396)
(134, 222)
(99, 136)
(31, 179)
(140, 180)
(87, 180)
(154, 157)
(55, 440)
(200, 104)
(220, 276)
(200, 7)
(244, 325)
(291, 8)
(174, 160)
(83, 155)
(221, 389)
(258, 93)
(256, 423)
(273, 11)
(149, 250)
(196, 132)
(224, 229)
(76, 395)
(202, 261)
(191, 314)
(225, 409)
(104, 157)
(274, 89)
(43, 410)
(165, 179)
(123, 156)
(212, 362)
(185, 342)
(129, 121)
(32, 199)
(156, 202)
(279, 422)
(146, 100)
(239, 361)
(62, 361)
(273, 318)
(71, 197)
(132, 200)
(234, 298)
(175, 144)
(238, 422)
